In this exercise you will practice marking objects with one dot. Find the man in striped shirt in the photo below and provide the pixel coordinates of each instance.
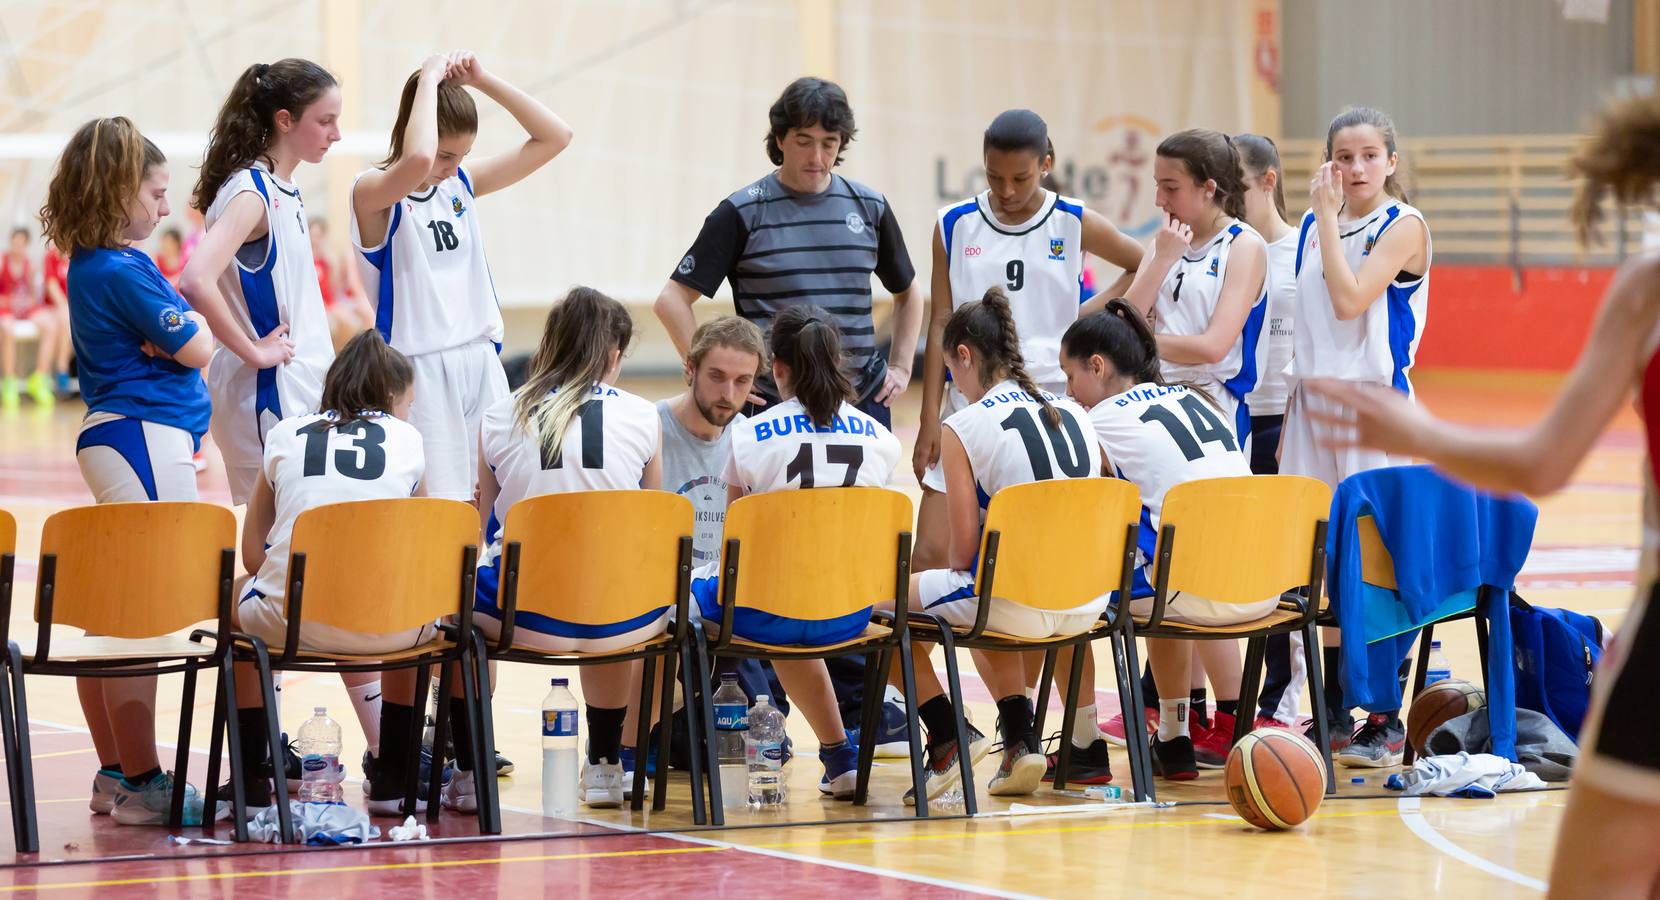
(804, 235)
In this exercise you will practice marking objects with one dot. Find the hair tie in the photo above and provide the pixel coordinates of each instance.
(259, 71)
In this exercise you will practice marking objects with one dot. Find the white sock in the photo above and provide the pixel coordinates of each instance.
(1172, 719)
(366, 703)
(1085, 730)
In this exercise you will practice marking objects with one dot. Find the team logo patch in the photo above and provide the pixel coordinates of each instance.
(171, 320)
(1215, 263)
(455, 205)
(1057, 248)
(1371, 240)
(854, 223)
(686, 265)
(755, 191)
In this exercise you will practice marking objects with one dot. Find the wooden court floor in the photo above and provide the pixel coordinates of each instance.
(1363, 843)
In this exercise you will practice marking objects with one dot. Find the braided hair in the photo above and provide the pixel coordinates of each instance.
(987, 327)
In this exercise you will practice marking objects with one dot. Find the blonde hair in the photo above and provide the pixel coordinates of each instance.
(727, 331)
(1621, 158)
(97, 175)
(581, 331)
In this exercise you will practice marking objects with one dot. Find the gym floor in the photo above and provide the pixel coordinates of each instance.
(1050, 844)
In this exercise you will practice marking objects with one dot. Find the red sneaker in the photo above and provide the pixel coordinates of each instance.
(1271, 722)
(1113, 729)
(1211, 745)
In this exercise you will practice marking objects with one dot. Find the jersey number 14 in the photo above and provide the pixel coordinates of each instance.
(1207, 427)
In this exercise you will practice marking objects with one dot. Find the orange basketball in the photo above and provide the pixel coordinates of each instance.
(1437, 704)
(1275, 779)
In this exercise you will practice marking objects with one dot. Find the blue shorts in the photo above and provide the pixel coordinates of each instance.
(766, 628)
(550, 635)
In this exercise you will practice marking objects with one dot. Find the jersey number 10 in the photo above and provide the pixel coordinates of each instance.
(1069, 449)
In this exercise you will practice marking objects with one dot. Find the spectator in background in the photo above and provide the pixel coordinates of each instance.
(54, 291)
(348, 310)
(170, 254)
(20, 302)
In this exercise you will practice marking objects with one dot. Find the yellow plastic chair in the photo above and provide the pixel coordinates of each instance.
(817, 555)
(133, 576)
(382, 567)
(1051, 545)
(598, 560)
(1240, 540)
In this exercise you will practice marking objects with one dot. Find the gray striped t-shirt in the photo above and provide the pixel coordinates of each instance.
(780, 247)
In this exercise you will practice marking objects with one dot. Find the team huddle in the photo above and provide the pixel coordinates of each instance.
(1189, 366)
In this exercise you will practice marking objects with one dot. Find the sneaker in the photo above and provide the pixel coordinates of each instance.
(1173, 759)
(104, 787)
(8, 394)
(385, 798)
(628, 763)
(371, 765)
(893, 742)
(291, 763)
(1089, 765)
(939, 769)
(1114, 728)
(1341, 731)
(1212, 742)
(39, 388)
(1021, 770)
(62, 383)
(148, 804)
(602, 784)
(1378, 743)
(504, 766)
(1263, 721)
(841, 770)
(460, 794)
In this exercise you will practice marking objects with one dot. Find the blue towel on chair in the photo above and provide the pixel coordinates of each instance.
(1447, 540)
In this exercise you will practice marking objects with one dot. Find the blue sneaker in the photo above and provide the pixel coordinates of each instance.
(841, 770)
(893, 740)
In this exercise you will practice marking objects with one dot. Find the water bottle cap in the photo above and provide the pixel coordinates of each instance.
(1435, 645)
(729, 678)
(561, 682)
(320, 710)
(760, 699)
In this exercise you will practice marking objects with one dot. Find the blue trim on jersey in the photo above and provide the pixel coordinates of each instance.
(766, 628)
(492, 529)
(1402, 325)
(948, 222)
(1147, 542)
(259, 291)
(1302, 242)
(981, 495)
(1074, 209)
(962, 593)
(126, 437)
(382, 260)
(1243, 383)
(462, 174)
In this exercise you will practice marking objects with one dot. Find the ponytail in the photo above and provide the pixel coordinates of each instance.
(367, 376)
(1622, 158)
(244, 130)
(1121, 336)
(987, 327)
(1260, 156)
(805, 339)
(1210, 156)
(581, 332)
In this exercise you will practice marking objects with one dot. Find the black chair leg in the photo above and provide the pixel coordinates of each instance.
(216, 743)
(273, 734)
(233, 740)
(478, 706)
(1317, 699)
(665, 719)
(1045, 680)
(913, 727)
(698, 698)
(412, 755)
(1135, 723)
(14, 768)
(1069, 710)
(1250, 686)
(1420, 674)
(965, 750)
(441, 728)
(181, 760)
(642, 733)
(876, 668)
(1481, 638)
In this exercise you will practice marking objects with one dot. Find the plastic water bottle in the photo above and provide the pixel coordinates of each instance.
(559, 729)
(731, 729)
(318, 743)
(1439, 669)
(764, 749)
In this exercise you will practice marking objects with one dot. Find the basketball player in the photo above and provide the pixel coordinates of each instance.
(141, 350)
(252, 276)
(1009, 432)
(341, 287)
(1202, 283)
(815, 421)
(568, 429)
(1362, 264)
(20, 302)
(1605, 843)
(415, 225)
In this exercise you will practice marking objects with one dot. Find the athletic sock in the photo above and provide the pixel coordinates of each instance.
(465, 757)
(1332, 663)
(939, 720)
(605, 728)
(1197, 707)
(392, 768)
(1149, 688)
(366, 703)
(1014, 714)
(256, 744)
(110, 769)
(137, 782)
(1173, 719)
(1085, 730)
(1231, 707)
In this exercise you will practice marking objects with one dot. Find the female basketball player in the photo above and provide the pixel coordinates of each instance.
(252, 276)
(1605, 843)
(19, 302)
(1010, 431)
(1202, 283)
(415, 224)
(337, 279)
(845, 448)
(1362, 294)
(1112, 367)
(542, 439)
(1031, 242)
(141, 350)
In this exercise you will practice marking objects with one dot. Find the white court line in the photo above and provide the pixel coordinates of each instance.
(1412, 816)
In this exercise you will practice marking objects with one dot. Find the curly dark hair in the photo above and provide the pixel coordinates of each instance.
(807, 102)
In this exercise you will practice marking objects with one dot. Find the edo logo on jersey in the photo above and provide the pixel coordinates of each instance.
(1057, 248)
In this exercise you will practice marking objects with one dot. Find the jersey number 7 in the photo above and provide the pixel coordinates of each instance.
(849, 456)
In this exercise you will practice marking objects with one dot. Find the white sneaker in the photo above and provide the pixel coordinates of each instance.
(1020, 773)
(461, 794)
(602, 784)
(149, 804)
(104, 787)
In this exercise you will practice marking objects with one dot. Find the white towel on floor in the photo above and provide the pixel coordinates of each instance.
(1479, 775)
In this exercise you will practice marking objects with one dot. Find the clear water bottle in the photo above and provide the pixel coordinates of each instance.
(318, 743)
(764, 752)
(559, 769)
(1439, 669)
(731, 728)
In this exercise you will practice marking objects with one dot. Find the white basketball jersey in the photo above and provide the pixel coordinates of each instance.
(1158, 436)
(1009, 440)
(781, 449)
(606, 447)
(1380, 345)
(309, 462)
(1269, 397)
(428, 278)
(1187, 301)
(273, 281)
(1039, 262)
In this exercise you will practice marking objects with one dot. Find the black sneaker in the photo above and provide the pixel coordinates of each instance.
(1089, 765)
(1174, 759)
(291, 765)
(504, 766)
(1380, 742)
(940, 771)
(371, 767)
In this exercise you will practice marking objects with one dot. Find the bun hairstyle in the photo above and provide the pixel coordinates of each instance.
(986, 326)
(1621, 158)
(1366, 115)
(1119, 335)
(1210, 156)
(581, 332)
(245, 127)
(805, 339)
